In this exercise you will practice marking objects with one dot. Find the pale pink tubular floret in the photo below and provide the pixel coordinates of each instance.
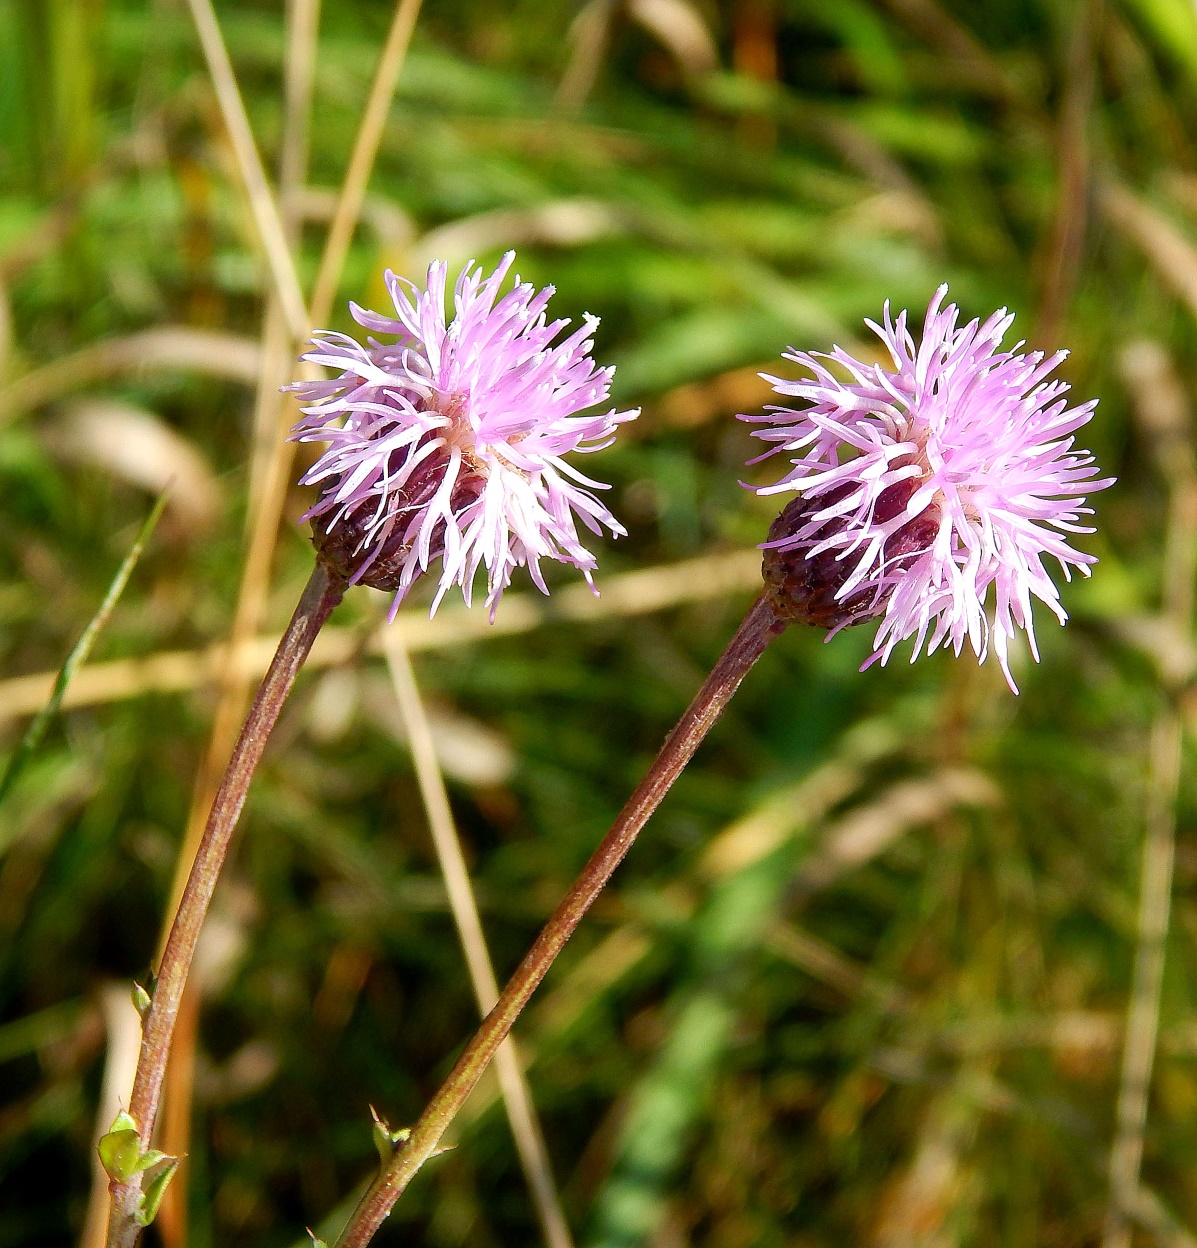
(976, 439)
(449, 442)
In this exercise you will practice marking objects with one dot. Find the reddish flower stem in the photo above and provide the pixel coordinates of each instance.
(321, 595)
(748, 644)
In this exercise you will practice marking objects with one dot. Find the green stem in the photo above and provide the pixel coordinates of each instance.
(748, 644)
(321, 595)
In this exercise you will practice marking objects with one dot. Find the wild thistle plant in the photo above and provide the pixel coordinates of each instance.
(451, 448)
(918, 489)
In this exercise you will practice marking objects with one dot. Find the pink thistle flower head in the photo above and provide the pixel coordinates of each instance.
(449, 443)
(924, 488)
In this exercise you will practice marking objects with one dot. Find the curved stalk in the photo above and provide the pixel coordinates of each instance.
(748, 644)
(319, 598)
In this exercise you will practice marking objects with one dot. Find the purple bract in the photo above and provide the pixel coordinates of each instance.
(448, 444)
(924, 486)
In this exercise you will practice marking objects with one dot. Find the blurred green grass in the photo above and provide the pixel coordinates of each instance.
(921, 1049)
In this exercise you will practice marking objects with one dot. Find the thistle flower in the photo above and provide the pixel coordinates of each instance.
(448, 444)
(922, 488)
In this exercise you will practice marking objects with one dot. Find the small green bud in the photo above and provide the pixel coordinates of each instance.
(317, 1242)
(120, 1149)
(385, 1140)
(141, 1000)
(155, 1189)
(122, 1157)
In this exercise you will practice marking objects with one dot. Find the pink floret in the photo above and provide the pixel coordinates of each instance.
(975, 439)
(448, 444)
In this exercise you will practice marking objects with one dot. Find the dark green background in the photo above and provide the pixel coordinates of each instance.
(954, 1084)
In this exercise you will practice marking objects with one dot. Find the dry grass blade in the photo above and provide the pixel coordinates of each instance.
(265, 211)
(235, 681)
(1070, 223)
(777, 818)
(828, 965)
(867, 831)
(271, 417)
(217, 954)
(78, 655)
(961, 49)
(588, 37)
(361, 162)
(303, 24)
(558, 222)
(265, 494)
(788, 813)
(270, 456)
(272, 469)
(392, 224)
(1150, 1213)
(931, 1201)
(1163, 413)
(1171, 254)
(517, 1096)
(5, 327)
(616, 954)
(227, 356)
(138, 447)
(272, 462)
(681, 29)
(303, 20)
(634, 593)
(124, 1040)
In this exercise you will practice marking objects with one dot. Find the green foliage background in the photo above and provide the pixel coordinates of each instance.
(919, 1046)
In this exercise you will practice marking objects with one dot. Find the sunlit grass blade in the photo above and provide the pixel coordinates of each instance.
(78, 655)
(517, 1095)
(1151, 370)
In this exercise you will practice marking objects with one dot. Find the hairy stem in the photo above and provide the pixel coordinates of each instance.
(748, 644)
(319, 597)
(517, 1096)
